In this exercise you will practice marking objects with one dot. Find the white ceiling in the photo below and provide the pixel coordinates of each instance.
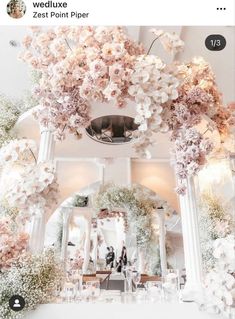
(14, 80)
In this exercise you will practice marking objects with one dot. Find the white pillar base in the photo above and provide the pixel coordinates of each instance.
(67, 212)
(47, 146)
(46, 153)
(87, 245)
(141, 260)
(36, 242)
(192, 293)
(162, 241)
(192, 249)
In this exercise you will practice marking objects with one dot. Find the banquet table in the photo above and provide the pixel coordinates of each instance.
(116, 311)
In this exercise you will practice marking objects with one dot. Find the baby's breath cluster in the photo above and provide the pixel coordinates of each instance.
(35, 278)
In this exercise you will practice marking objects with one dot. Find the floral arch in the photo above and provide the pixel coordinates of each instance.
(140, 205)
(144, 213)
(77, 65)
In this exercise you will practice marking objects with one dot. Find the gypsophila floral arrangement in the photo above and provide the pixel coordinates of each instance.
(80, 201)
(139, 206)
(9, 115)
(33, 187)
(215, 222)
(34, 277)
(10, 111)
(8, 212)
(152, 256)
(81, 65)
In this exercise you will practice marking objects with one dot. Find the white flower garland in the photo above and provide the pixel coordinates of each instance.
(34, 186)
(152, 86)
(139, 206)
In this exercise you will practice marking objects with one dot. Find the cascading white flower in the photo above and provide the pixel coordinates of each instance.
(16, 151)
(152, 86)
(26, 185)
(224, 251)
(171, 42)
(220, 282)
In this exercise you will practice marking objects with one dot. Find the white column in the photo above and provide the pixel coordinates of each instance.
(102, 168)
(162, 240)
(66, 213)
(47, 146)
(141, 256)
(46, 153)
(36, 244)
(192, 249)
(232, 164)
(87, 244)
(120, 236)
(95, 249)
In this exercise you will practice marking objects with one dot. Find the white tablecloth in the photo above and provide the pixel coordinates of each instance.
(120, 311)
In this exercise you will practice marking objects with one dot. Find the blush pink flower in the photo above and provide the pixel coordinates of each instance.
(112, 91)
(98, 68)
(116, 72)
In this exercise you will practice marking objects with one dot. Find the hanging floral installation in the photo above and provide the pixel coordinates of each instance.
(26, 185)
(80, 201)
(198, 99)
(9, 115)
(81, 65)
(78, 65)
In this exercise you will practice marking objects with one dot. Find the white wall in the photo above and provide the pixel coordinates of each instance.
(74, 175)
(118, 171)
(158, 176)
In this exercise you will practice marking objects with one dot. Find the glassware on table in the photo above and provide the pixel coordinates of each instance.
(140, 295)
(93, 288)
(57, 293)
(75, 277)
(128, 281)
(136, 277)
(84, 292)
(110, 296)
(68, 292)
(171, 285)
(154, 291)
